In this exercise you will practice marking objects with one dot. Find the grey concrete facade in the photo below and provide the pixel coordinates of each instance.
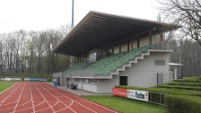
(140, 74)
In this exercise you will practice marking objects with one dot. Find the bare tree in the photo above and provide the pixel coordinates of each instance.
(1, 54)
(19, 42)
(186, 13)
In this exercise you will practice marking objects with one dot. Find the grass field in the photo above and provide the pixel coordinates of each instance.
(127, 105)
(5, 85)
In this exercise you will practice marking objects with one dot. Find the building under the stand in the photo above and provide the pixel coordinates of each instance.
(115, 50)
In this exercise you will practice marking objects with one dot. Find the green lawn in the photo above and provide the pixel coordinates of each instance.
(5, 85)
(184, 87)
(127, 105)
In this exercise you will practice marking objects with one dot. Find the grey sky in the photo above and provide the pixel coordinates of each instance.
(45, 14)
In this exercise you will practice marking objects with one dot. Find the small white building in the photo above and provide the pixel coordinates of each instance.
(115, 50)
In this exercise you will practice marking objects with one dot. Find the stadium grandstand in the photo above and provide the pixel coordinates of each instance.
(115, 50)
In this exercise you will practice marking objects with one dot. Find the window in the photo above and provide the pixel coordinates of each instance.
(91, 81)
(76, 79)
(159, 62)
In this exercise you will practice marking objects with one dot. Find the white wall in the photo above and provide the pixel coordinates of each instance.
(133, 44)
(156, 38)
(144, 73)
(116, 49)
(144, 41)
(90, 87)
(124, 47)
(106, 85)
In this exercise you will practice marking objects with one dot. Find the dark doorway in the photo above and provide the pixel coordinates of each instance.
(58, 80)
(67, 81)
(123, 80)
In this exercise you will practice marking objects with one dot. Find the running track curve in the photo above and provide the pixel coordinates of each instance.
(38, 97)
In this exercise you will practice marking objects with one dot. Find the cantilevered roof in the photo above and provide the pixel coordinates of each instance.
(176, 64)
(97, 30)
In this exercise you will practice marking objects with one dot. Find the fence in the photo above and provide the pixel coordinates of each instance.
(159, 46)
(157, 98)
(164, 77)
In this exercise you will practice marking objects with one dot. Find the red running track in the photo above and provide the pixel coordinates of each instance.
(38, 97)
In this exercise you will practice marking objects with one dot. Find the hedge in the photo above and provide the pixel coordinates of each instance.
(183, 104)
(185, 83)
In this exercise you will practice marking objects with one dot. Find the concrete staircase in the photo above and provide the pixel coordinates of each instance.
(123, 68)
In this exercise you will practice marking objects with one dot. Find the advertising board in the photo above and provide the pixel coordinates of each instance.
(138, 95)
(120, 92)
(26, 79)
(16, 79)
(38, 79)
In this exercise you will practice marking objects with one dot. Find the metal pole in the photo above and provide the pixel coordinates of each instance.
(72, 14)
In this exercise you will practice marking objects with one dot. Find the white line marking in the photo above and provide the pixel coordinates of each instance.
(8, 107)
(60, 101)
(45, 99)
(71, 99)
(32, 102)
(19, 98)
(85, 100)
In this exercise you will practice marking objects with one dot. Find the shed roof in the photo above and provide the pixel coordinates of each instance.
(97, 30)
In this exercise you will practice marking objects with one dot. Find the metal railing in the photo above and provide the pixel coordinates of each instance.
(159, 46)
(77, 73)
(157, 98)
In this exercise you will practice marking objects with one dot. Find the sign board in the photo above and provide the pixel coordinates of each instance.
(92, 56)
(26, 79)
(138, 95)
(16, 79)
(38, 79)
(7, 79)
(120, 92)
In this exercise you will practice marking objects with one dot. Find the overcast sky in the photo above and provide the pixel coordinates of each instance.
(45, 14)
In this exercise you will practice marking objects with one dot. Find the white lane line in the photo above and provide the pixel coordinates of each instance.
(9, 95)
(40, 103)
(86, 100)
(18, 99)
(45, 99)
(7, 108)
(47, 107)
(71, 99)
(67, 106)
(32, 102)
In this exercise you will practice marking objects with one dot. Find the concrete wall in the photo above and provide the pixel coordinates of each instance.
(144, 41)
(116, 49)
(133, 44)
(106, 85)
(124, 47)
(156, 39)
(141, 74)
(144, 73)
(62, 81)
(90, 87)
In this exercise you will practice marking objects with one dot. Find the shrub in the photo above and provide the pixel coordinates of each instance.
(183, 104)
(49, 80)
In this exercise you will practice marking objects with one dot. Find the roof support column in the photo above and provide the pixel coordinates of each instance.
(112, 49)
(138, 42)
(119, 47)
(128, 46)
(150, 38)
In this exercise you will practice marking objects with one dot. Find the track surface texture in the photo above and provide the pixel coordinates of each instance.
(38, 97)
